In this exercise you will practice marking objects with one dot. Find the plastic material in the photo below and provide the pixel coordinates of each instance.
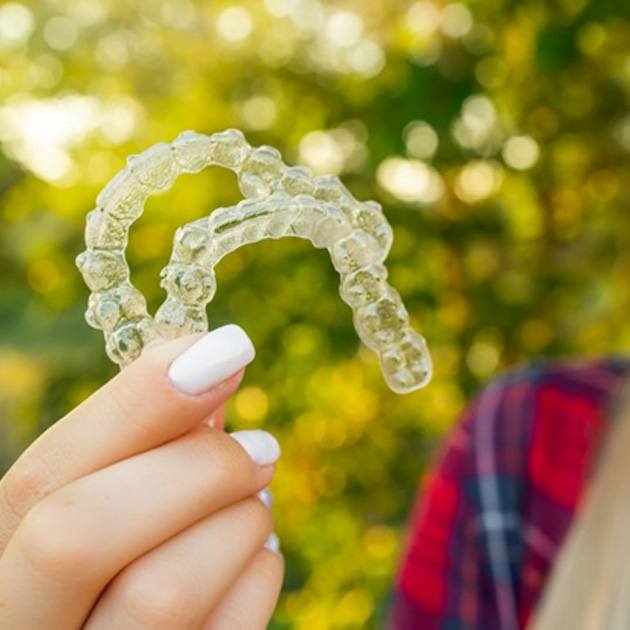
(279, 201)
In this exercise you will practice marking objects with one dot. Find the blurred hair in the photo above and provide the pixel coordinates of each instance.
(589, 588)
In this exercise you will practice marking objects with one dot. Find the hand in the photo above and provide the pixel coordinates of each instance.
(133, 512)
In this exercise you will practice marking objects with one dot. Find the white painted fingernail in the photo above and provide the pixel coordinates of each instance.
(261, 446)
(217, 355)
(273, 542)
(265, 496)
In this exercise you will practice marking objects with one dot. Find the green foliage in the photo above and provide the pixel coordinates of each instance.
(511, 236)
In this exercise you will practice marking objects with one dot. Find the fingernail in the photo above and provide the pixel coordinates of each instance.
(261, 446)
(272, 543)
(217, 355)
(265, 496)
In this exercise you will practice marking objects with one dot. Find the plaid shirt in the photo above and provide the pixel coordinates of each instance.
(493, 514)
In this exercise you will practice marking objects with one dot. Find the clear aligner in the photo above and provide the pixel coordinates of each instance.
(279, 201)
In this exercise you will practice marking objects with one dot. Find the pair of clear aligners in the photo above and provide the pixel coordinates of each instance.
(279, 201)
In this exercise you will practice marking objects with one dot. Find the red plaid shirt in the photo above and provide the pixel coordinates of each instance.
(493, 514)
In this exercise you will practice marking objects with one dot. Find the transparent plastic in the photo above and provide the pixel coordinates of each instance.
(279, 201)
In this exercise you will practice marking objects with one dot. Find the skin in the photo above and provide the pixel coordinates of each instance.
(137, 510)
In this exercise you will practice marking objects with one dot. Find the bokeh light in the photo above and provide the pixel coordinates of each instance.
(60, 33)
(521, 152)
(421, 140)
(344, 29)
(478, 180)
(410, 180)
(259, 112)
(234, 23)
(334, 151)
(16, 23)
(477, 126)
(456, 20)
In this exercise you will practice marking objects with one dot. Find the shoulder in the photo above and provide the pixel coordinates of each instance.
(549, 391)
(588, 378)
(529, 410)
(541, 423)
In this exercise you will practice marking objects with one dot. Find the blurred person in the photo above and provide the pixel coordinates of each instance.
(525, 520)
(137, 510)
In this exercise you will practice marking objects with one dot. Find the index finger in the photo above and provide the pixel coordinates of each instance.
(162, 395)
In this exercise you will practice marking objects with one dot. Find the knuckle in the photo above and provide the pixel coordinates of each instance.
(149, 602)
(53, 544)
(27, 483)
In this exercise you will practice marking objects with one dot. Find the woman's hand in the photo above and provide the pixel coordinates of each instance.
(135, 512)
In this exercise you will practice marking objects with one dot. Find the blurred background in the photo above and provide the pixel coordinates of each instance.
(496, 133)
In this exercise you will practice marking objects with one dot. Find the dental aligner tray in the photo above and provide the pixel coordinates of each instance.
(280, 201)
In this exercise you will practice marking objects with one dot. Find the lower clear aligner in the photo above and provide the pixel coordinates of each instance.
(279, 201)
